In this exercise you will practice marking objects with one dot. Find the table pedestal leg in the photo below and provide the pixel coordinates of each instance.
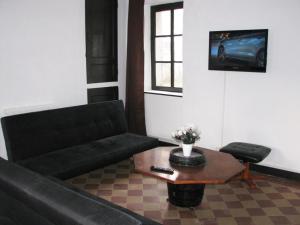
(185, 195)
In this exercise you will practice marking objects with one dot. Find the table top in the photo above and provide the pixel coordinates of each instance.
(219, 168)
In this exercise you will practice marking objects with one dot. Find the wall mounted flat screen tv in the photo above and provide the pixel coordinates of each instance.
(239, 50)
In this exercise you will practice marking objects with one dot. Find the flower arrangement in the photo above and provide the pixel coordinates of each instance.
(186, 135)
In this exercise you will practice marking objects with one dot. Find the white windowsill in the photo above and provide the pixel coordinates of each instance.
(166, 93)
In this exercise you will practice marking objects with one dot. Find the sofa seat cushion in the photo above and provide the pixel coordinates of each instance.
(72, 161)
(6, 221)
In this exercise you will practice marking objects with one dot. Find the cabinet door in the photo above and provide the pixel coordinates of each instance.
(103, 94)
(101, 40)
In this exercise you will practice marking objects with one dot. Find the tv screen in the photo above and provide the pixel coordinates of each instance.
(239, 50)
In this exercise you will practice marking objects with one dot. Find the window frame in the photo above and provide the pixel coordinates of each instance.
(154, 10)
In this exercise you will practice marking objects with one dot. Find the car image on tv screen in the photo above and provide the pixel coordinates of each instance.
(244, 50)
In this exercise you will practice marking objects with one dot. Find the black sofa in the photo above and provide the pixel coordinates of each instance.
(28, 198)
(70, 141)
(48, 146)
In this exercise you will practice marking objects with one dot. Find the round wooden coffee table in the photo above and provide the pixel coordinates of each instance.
(186, 185)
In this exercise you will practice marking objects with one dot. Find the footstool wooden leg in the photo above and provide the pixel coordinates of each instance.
(250, 183)
(247, 177)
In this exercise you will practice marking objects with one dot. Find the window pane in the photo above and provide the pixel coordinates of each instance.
(163, 49)
(163, 74)
(178, 48)
(163, 23)
(178, 78)
(178, 21)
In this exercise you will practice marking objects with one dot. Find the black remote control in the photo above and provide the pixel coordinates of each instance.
(162, 170)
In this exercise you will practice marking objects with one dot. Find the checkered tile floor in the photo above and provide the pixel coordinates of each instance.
(274, 202)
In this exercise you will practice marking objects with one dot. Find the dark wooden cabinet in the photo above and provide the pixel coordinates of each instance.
(103, 94)
(101, 40)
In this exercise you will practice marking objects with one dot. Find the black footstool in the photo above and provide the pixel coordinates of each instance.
(247, 153)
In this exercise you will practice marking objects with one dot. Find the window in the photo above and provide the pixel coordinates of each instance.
(166, 47)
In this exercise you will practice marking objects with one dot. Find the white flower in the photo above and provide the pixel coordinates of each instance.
(187, 133)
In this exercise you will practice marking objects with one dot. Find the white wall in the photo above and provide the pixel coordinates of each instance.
(42, 55)
(237, 106)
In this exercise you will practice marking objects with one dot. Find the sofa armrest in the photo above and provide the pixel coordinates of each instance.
(142, 219)
(55, 202)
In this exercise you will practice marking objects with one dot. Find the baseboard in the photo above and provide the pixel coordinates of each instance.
(275, 172)
(259, 168)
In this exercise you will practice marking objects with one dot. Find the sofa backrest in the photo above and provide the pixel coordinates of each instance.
(55, 202)
(32, 134)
